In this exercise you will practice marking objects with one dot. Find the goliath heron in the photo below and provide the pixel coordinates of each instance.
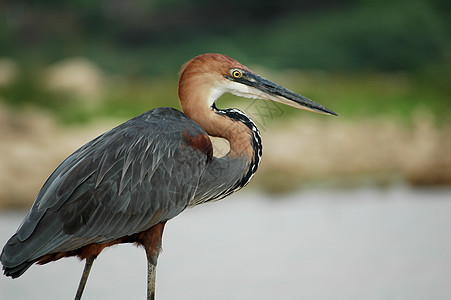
(124, 185)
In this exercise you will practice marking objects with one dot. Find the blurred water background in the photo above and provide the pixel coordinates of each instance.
(348, 207)
(365, 243)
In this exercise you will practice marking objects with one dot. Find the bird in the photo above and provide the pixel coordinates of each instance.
(124, 185)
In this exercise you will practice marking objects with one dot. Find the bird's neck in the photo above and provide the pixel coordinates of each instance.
(244, 156)
(253, 139)
(232, 125)
(233, 171)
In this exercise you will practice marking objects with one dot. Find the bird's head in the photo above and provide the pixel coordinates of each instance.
(206, 77)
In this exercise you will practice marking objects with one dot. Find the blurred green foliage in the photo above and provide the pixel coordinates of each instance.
(354, 97)
(156, 37)
(359, 57)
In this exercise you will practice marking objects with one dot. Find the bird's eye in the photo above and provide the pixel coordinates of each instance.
(236, 74)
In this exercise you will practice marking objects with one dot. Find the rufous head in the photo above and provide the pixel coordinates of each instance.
(206, 77)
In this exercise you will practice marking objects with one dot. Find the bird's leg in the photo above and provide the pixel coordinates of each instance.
(152, 244)
(151, 270)
(84, 277)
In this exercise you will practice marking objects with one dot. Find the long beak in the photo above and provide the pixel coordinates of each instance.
(270, 91)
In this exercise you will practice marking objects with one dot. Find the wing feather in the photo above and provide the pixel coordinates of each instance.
(119, 184)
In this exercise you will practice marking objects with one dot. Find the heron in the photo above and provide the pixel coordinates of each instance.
(123, 186)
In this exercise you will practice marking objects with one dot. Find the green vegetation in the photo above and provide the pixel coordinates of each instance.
(353, 97)
(155, 37)
(361, 58)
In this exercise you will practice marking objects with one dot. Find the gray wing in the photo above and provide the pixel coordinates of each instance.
(138, 174)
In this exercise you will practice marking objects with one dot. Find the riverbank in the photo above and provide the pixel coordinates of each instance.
(297, 152)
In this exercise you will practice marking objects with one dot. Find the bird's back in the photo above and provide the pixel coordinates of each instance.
(143, 172)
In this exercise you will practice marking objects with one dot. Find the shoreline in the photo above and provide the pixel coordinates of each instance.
(296, 152)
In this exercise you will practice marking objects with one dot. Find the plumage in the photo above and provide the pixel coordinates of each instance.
(124, 185)
(92, 187)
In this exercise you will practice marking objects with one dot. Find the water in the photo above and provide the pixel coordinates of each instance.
(351, 244)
